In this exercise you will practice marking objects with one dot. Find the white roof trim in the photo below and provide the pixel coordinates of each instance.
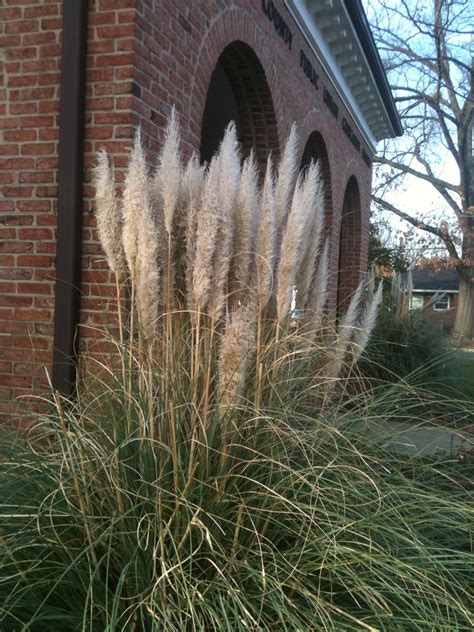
(435, 291)
(330, 34)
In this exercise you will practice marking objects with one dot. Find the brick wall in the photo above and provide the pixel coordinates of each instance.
(143, 57)
(185, 40)
(30, 43)
(443, 318)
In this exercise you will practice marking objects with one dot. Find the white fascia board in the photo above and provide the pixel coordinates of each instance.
(438, 291)
(320, 48)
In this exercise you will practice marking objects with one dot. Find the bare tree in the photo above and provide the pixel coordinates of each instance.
(427, 48)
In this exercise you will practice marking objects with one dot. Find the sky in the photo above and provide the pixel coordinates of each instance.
(415, 196)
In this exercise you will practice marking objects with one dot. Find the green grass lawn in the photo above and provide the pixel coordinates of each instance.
(460, 374)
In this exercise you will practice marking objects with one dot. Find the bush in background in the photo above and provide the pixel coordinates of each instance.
(405, 345)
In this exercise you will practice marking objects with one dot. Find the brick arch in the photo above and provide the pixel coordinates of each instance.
(315, 149)
(231, 25)
(239, 91)
(349, 244)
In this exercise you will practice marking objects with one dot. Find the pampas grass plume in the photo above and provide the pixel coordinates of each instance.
(295, 238)
(206, 235)
(148, 274)
(286, 177)
(169, 171)
(245, 223)
(193, 180)
(307, 272)
(369, 319)
(133, 199)
(109, 221)
(266, 238)
(345, 332)
(317, 296)
(229, 180)
(237, 344)
(346, 327)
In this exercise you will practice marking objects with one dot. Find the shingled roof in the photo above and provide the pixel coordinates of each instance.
(425, 280)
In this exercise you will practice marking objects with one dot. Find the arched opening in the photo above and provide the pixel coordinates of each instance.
(349, 245)
(315, 149)
(238, 91)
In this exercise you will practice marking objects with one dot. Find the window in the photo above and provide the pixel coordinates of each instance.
(416, 302)
(442, 304)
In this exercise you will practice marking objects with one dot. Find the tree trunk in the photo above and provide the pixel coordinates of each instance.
(464, 325)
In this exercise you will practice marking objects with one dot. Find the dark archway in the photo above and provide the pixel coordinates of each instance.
(315, 149)
(239, 91)
(349, 245)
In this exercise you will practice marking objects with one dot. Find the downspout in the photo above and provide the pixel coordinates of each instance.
(70, 180)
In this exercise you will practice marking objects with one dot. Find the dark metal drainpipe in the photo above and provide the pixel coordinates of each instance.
(71, 164)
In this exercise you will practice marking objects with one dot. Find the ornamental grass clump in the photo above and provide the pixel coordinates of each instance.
(211, 251)
(209, 475)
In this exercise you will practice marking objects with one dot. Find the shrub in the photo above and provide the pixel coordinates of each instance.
(115, 520)
(212, 473)
(405, 345)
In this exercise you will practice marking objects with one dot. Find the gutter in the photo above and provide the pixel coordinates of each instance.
(361, 25)
(70, 180)
(434, 291)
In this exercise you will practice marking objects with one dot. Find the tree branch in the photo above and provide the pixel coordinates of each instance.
(418, 174)
(417, 223)
(441, 190)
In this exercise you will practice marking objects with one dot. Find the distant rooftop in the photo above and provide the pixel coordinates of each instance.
(426, 280)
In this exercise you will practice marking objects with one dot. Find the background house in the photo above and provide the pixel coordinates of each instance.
(445, 284)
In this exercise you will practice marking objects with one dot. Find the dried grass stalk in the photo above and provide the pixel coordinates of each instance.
(109, 220)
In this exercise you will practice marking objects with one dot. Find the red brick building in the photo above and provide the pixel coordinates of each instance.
(79, 75)
(437, 294)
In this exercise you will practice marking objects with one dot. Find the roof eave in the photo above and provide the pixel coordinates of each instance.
(361, 25)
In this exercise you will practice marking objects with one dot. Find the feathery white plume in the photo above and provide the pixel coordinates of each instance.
(236, 347)
(266, 238)
(345, 332)
(109, 221)
(170, 171)
(148, 275)
(294, 239)
(369, 319)
(245, 223)
(206, 235)
(346, 326)
(133, 200)
(191, 195)
(318, 292)
(307, 272)
(229, 180)
(286, 177)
